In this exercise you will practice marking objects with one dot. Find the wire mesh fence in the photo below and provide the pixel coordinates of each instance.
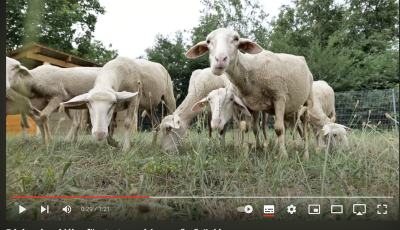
(356, 107)
(371, 108)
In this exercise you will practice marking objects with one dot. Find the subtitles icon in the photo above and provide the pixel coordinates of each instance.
(359, 209)
(67, 209)
(314, 209)
(269, 210)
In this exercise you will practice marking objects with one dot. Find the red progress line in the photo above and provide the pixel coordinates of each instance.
(66, 197)
(269, 215)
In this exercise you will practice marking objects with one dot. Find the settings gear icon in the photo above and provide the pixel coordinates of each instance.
(291, 209)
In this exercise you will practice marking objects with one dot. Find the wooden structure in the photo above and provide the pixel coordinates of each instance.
(32, 55)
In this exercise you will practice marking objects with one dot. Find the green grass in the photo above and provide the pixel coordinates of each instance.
(88, 168)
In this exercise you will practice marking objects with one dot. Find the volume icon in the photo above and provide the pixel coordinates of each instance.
(67, 209)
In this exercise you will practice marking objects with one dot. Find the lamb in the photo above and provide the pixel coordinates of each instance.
(323, 114)
(225, 105)
(174, 126)
(118, 82)
(274, 83)
(51, 85)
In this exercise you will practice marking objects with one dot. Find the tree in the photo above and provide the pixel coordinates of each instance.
(54, 23)
(170, 52)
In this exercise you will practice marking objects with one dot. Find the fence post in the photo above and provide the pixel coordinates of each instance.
(394, 109)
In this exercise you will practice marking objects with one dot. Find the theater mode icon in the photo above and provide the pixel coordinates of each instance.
(337, 209)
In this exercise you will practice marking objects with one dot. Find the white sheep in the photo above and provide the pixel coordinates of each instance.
(116, 86)
(51, 85)
(323, 114)
(274, 83)
(174, 126)
(15, 102)
(225, 105)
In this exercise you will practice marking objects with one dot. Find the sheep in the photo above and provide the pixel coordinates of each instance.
(51, 85)
(18, 104)
(323, 114)
(225, 105)
(275, 83)
(174, 126)
(118, 82)
(15, 102)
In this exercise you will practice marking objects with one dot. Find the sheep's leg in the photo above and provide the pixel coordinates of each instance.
(279, 126)
(198, 130)
(222, 135)
(53, 104)
(132, 111)
(209, 116)
(25, 125)
(246, 138)
(236, 129)
(264, 125)
(72, 134)
(154, 123)
(256, 128)
(305, 121)
(113, 124)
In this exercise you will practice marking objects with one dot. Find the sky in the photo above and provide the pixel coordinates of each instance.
(131, 25)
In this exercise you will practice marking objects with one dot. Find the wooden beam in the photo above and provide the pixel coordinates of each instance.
(37, 50)
(40, 57)
(19, 56)
(69, 59)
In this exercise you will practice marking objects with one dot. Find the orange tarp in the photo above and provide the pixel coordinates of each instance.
(13, 125)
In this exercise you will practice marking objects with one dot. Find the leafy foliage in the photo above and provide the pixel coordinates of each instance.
(353, 44)
(58, 24)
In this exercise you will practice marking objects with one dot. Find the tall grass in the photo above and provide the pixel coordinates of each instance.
(370, 167)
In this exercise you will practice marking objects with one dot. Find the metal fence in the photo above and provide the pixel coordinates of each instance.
(371, 107)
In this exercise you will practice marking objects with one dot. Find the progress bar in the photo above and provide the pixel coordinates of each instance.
(204, 197)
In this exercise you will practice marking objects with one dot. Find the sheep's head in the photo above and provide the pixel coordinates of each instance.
(338, 131)
(223, 46)
(101, 105)
(15, 72)
(222, 103)
(172, 132)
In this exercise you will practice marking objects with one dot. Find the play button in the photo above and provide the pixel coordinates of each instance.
(21, 209)
(248, 209)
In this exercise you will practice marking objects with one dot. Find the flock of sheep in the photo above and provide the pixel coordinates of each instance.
(237, 86)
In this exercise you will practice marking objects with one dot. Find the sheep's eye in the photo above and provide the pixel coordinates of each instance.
(177, 122)
(208, 41)
(236, 38)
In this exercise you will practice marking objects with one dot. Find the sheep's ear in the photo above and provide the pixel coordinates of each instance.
(240, 103)
(197, 50)
(174, 123)
(24, 72)
(76, 101)
(249, 47)
(334, 128)
(200, 104)
(122, 96)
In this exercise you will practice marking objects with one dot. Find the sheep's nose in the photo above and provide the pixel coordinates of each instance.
(221, 59)
(99, 135)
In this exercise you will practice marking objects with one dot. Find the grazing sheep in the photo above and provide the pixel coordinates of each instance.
(52, 85)
(174, 126)
(117, 83)
(275, 83)
(18, 104)
(15, 102)
(225, 105)
(323, 114)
